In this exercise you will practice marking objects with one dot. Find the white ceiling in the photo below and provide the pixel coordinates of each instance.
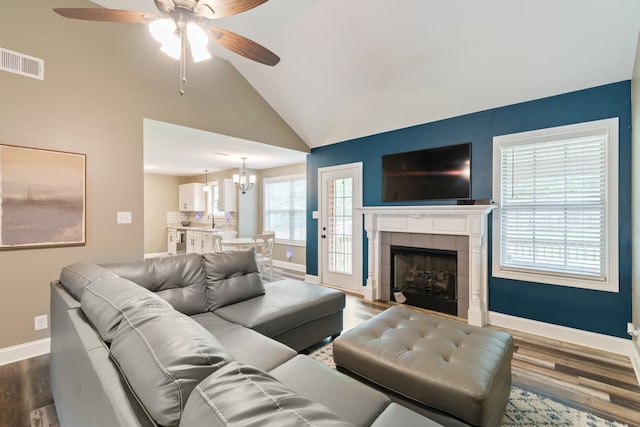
(359, 67)
(170, 149)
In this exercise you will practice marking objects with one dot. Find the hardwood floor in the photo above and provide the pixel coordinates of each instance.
(595, 381)
(24, 386)
(598, 382)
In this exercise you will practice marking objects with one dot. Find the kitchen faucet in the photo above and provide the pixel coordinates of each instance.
(213, 220)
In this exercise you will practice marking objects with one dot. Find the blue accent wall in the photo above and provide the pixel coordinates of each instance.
(596, 311)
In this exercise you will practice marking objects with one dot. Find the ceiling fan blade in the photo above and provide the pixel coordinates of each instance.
(243, 46)
(101, 14)
(222, 8)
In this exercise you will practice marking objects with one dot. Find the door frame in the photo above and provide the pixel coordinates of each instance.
(358, 253)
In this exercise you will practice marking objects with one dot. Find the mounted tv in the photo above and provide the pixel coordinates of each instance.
(440, 173)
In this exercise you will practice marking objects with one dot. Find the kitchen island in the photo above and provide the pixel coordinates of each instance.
(193, 239)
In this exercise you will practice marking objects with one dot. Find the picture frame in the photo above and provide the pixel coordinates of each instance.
(42, 198)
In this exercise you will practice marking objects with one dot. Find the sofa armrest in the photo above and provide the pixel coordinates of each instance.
(86, 386)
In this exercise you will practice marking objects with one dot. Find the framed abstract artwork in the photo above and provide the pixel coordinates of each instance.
(42, 198)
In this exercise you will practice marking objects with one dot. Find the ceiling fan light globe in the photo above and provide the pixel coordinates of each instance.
(198, 41)
(172, 48)
(196, 35)
(199, 53)
(163, 30)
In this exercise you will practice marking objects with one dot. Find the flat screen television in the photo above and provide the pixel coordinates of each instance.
(440, 173)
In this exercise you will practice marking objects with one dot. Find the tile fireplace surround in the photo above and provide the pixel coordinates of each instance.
(454, 220)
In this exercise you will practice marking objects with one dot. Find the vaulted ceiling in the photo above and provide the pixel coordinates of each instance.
(351, 68)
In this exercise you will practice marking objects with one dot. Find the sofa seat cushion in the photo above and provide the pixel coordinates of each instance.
(286, 305)
(245, 345)
(76, 277)
(163, 356)
(106, 302)
(231, 277)
(242, 395)
(179, 279)
(397, 415)
(348, 398)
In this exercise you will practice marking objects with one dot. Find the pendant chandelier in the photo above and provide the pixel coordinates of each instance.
(206, 182)
(243, 181)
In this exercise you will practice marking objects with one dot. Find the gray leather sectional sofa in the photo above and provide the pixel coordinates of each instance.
(198, 340)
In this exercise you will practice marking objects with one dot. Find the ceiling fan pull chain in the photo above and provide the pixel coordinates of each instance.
(183, 62)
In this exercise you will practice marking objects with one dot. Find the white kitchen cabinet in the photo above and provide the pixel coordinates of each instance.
(172, 241)
(227, 196)
(191, 197)
(194, 241)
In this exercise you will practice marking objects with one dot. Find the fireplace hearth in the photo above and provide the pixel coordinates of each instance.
(425, 278)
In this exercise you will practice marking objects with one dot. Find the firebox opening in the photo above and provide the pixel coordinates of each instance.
(425, 278)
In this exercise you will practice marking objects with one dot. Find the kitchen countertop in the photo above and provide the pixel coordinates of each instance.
(180, 227)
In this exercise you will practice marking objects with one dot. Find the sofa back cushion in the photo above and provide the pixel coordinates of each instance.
(76, 277)
(163, 356)
(106, 302)
(179, 279)
(239, 394)
(231, 277)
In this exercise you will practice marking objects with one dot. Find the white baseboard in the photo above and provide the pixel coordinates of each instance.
(290, 265)
(310, 278)
(635, 357)
(24, 351)
(563, 333)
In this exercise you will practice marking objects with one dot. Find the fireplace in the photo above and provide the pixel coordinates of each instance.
(424, 278)
(435, 223)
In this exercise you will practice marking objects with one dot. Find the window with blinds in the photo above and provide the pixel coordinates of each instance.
(213, 198)
(285, 207)
(556, 191)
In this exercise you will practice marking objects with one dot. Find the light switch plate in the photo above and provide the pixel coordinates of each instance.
(123, 218)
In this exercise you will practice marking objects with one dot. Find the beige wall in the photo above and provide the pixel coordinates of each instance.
(101, 80)
(160, 196)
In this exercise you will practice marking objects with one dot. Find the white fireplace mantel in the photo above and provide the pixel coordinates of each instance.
(462, 220)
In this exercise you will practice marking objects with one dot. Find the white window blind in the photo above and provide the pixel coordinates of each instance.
(285, 204)
(555, 210)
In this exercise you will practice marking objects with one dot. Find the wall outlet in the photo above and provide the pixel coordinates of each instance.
(123, 217)
(40, 322)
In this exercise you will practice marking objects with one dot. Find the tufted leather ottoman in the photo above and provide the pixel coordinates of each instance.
(456, 368)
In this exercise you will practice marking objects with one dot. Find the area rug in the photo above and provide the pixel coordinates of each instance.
(524, 409)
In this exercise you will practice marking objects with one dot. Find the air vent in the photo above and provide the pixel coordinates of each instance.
(22, 64)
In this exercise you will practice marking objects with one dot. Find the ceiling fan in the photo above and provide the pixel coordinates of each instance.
(186, 20)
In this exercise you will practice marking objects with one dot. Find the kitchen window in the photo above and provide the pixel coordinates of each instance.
(557, 196)
(285, 207)
(213, 198)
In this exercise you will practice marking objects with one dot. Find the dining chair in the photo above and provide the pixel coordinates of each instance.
(264, 252)
(216, 242)
(228, 234)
